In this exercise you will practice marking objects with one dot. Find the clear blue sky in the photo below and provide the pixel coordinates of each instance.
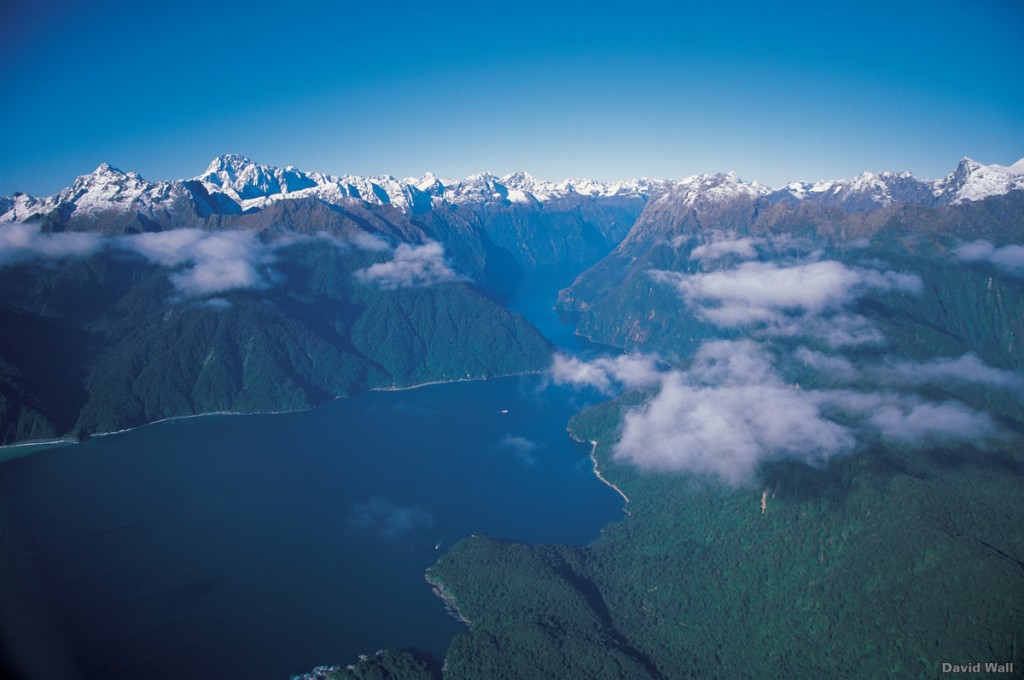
(773, 91)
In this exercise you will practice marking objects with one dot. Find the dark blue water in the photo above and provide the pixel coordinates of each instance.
(261, 546)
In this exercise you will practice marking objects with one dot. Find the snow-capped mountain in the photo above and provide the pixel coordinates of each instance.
(971, 181)
(104, 191)
(232, 184)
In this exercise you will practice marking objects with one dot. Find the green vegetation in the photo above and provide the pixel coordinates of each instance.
(387, 664)
(102, 344)
(883, 564)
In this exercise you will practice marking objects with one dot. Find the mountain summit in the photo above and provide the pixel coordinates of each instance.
(233, 183)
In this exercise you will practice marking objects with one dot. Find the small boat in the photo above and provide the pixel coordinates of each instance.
(504, 410)
(438, 546)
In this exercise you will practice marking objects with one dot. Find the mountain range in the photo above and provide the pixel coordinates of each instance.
(815, 422)
(200, 269)
(233, 184)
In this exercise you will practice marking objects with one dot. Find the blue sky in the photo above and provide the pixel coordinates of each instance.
(603, 90)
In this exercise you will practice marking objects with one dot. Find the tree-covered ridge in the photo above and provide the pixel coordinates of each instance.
(867, 369)
(620, 303)
(883, 564)
(386, 664)
(107, 342)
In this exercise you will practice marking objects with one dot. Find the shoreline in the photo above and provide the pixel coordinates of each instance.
(439, 590)
(38, 442)
(69, 440)
(416, 386)
(597, 473)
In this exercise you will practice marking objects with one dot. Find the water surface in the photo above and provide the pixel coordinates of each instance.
(260, 546)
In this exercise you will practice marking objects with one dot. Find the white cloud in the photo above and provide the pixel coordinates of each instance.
(836, 330)
(914, 422)
(724, 415)
(965, 369)
(20, 242)
(216, 303)
(796, 299)
(911, 420)
(523, 448)
(607, 375)
(731, 409)
(744, 248)
(368, 241)
(836, 366)
(411, 266)
(1009, 259)
(211, 262)
(382, 519)
(360, 239)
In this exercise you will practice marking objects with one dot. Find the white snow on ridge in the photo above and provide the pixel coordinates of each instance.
(253, 185)
(973, 181)
(106, 189)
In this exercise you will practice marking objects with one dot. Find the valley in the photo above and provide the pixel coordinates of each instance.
(811, 399)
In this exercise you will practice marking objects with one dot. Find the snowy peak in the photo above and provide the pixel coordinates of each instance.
(234, 183)
(105, 190)
(243, 179)
(702, 191)
(972, 181)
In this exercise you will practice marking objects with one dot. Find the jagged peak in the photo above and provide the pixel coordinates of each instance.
(968, 162)
(482, 177)
(108, 169)
(232, 165)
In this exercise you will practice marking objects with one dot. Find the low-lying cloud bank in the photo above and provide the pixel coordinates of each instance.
(23, 242)
(1009, 259)
(206, 262)
(808, 298)
(210, 262)
(732, 408)
(606, 375)
(412, 266)
(724, 415)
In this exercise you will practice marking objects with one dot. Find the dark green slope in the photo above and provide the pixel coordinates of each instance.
(884, 564)
(106, 343)
(619, 303)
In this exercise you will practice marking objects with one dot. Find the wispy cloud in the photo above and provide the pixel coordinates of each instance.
(949, 372)
(523, 448)
(744, 248)
(411, 266)
(791, 299)
(965, 369)
(910, 419)
(210, 262)
(216, 303)
(382, 519)
(363, 240)
(607, 375)
(1009, 259)
(725, 414)
(21, 242)
(731, 407)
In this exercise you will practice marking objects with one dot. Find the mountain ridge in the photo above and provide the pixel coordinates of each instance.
(233, 183)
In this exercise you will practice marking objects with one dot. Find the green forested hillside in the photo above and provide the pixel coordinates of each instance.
(881, 565)
(105, 342)
(902, 551)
